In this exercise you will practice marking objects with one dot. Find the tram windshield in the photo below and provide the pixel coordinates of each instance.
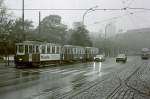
(20, 48)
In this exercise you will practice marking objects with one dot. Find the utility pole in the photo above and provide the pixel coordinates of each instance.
(39, 22)
(105, 45)
(23, 20)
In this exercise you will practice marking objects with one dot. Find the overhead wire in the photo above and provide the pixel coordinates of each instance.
(130, 3)
(139, 8)
(120, 16)
(69, 9)
(66, 9)
(117, 17)
(129, 13)
(127, 8)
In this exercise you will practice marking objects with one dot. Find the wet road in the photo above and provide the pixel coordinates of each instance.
(66, 81)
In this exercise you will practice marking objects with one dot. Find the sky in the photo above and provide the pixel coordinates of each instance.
(96, 20)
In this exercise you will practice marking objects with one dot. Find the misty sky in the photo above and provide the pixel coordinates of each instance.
(94, 20)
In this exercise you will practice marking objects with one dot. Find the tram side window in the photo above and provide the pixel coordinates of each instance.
(68, 50)
(37, 49)
(57, 51)
(81, 51)
(26, 49)
(65, 49)
(71, 50)
(30, 48)
(43, 49)
(74, 51)
(48, 49)
(53, 49)
(20, 48)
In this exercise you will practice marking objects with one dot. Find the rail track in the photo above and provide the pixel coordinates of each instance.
(124, 91)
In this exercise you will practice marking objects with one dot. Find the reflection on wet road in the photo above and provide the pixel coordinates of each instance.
(36, 83)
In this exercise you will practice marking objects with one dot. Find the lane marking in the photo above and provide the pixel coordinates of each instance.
(91, 73)
(77, 73)
(72, 71)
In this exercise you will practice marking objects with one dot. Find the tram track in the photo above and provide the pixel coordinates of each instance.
(24, 74)
(138, 76)
(76, 84)
(33, 80)
(52, 91)
(88, 88)
(31, 71)
(123, 87)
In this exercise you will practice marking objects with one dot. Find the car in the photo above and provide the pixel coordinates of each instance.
(99, 58)
(121, 57)
(145, 53)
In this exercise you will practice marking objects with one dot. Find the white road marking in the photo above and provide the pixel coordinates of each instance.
(76, 73)
(72, 71)
(58, 71)
(91, 73)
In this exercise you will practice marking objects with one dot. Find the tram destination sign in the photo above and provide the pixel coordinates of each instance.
(48, 57)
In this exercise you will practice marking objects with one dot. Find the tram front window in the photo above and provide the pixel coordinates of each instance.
(26, 49)
(20, 48)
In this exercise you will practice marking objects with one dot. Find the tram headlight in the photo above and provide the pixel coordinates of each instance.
(20, 59)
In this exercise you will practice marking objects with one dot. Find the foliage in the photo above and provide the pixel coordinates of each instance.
(52, 30)
(5, 21)
(80, 36)
(17, 31)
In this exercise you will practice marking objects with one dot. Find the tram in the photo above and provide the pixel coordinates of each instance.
(37, 54)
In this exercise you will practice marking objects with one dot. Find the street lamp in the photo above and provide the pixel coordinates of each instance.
(106, 27)
(88, 11)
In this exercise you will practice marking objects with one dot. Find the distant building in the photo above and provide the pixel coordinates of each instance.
(77, 24)
(110, 30)
(141, 30)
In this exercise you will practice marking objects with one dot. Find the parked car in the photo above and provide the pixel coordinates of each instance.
(99, 58)
(121, 57)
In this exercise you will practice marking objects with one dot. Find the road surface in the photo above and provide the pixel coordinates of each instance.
(92, 80)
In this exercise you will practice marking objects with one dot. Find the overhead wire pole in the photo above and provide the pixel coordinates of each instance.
(105, 45)
(23, 20)
(39, 22)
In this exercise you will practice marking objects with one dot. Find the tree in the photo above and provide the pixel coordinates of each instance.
(80, 36)
(5, 29)
(17, 31)
(5, 21)
(52, 30)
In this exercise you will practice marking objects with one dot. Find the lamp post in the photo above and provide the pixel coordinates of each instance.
(88, 11)
(105, 48)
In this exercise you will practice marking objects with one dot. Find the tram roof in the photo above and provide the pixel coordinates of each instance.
(35, 43)
(91, 47)
(73, 46)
